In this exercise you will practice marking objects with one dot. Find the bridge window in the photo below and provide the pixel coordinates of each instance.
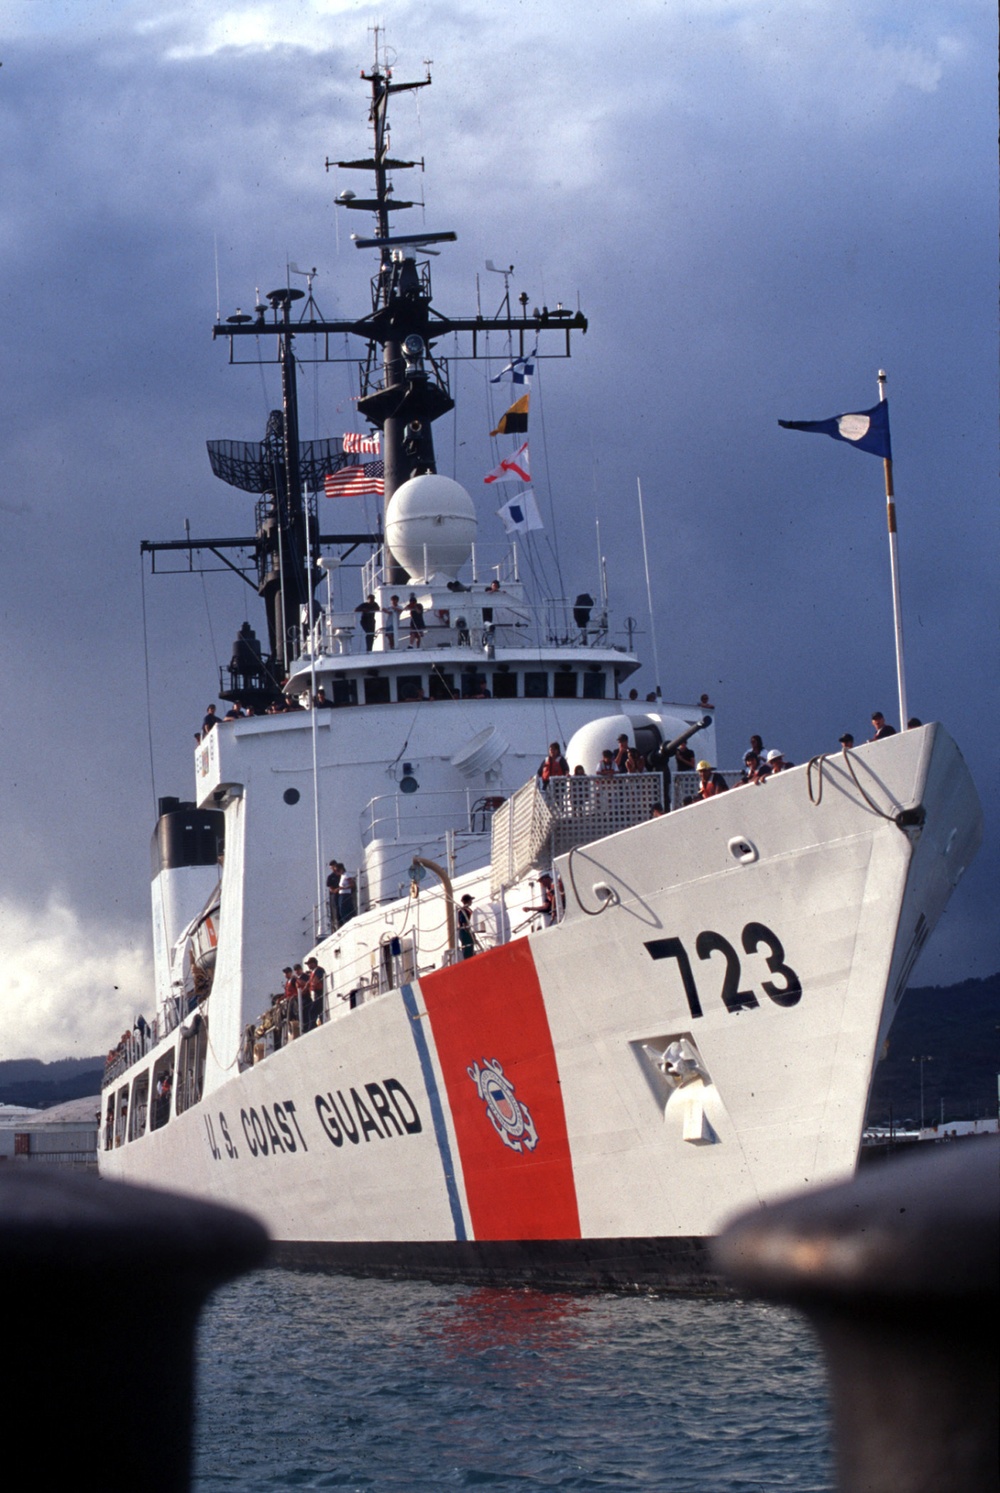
(442, 685)
(595, 685)
(377, 691)
(564, 684)
(536, 685)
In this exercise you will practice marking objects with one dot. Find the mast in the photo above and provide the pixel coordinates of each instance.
(403, 325)
(284, 585)
(406, 402)
(404, 389)
(404, 385)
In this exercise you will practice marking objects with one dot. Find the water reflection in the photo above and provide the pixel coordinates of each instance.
(484, 1319)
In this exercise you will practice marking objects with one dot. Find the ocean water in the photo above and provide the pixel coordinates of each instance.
(319, 1381)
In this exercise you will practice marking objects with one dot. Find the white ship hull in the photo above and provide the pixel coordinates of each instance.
(668, 1018)
(506, 1116)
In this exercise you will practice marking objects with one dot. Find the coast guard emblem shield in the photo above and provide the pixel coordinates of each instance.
(509, 1117)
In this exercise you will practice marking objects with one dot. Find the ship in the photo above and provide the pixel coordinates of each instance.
(426, 1004)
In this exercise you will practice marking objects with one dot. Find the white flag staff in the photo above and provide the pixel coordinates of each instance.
(868, 430)
(897, 603)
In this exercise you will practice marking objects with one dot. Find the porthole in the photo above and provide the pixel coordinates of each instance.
(291, 795)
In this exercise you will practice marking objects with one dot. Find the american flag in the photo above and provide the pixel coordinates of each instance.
(356, 444)
(356, 482)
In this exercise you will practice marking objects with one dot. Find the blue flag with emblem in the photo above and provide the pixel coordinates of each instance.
(866, 429)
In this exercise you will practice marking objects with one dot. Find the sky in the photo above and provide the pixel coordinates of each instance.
(757, 205)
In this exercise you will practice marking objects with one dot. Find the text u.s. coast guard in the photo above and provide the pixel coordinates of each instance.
(353, 1115)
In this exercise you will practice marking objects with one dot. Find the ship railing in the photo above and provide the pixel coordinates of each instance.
(519, 625)
(169, 1018)
(337, 634)
(177, 1007)
(282, 1022)
(456, 614)
(487, 563)
(373, 974)
(370, 374)
(285, 1020)
(543, 820)
(131, 1050)
(388, 869)
(390, 960)
(141, 1041)
(402, 815)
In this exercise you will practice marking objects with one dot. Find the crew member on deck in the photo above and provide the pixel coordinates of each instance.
(684, 757)
(751, 768)
(346, 907)
(548, 905)
(418, 626)
(333, 892)
(313, 1014)
(555, 764)
(710, 782)
(367, 613)
(466, 937)
(393, 626)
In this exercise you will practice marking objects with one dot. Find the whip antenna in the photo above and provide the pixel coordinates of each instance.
(649, 592)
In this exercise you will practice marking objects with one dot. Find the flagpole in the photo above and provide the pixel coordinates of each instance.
(320, 919)
(649, 590)
(897, 605)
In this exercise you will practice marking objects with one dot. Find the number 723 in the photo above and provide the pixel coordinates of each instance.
(786, 993)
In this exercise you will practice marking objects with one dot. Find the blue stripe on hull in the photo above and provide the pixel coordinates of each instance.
(437, 1109)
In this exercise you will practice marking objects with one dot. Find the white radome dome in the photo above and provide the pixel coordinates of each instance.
(431, 514)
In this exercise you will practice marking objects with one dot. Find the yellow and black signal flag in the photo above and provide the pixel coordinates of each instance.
(515, 420)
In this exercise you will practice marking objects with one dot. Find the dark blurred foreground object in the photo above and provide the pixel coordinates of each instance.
(103, 1284)
(898, 1273)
